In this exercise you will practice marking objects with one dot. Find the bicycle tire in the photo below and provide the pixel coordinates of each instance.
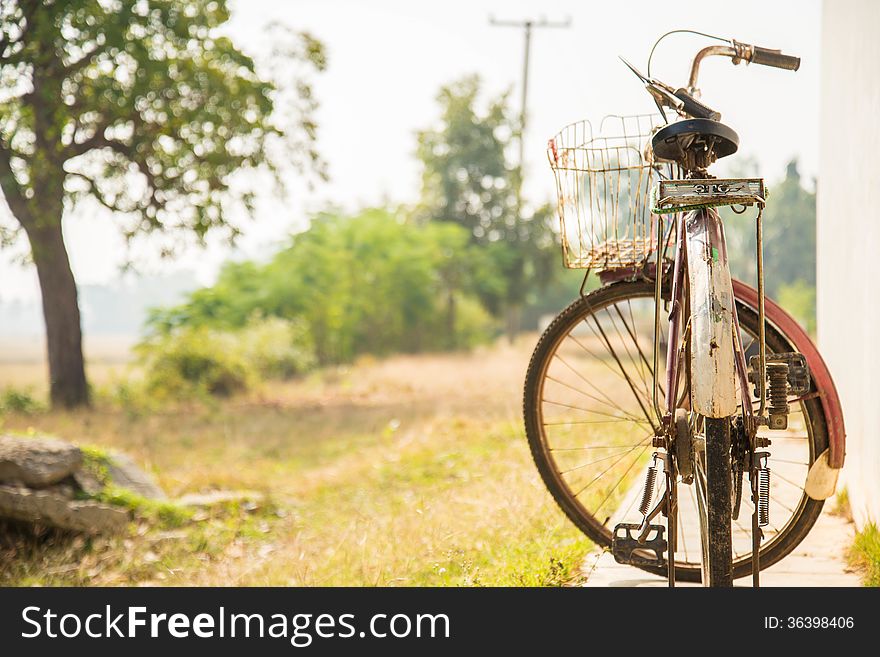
(719, 565)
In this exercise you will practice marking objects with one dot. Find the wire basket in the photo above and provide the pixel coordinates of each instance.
(604, 191)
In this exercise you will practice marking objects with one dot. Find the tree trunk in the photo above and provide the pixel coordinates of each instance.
(67, 378)
(451, 320)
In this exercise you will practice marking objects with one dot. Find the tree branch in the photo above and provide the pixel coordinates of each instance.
(97, 140)
(11, 189)
(95, 191)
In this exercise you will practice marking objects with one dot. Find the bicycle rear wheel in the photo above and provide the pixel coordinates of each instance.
(587, 403)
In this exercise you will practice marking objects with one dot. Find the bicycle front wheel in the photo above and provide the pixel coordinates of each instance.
(713, 477)
(589, 421)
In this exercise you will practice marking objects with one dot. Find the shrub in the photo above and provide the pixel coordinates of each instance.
(193, 362)
(277, 348)
(20, 400)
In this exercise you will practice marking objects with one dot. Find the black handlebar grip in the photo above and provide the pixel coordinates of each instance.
(767, 57)
(695, 108)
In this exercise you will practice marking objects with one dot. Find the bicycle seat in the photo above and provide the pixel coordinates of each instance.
(694, 142)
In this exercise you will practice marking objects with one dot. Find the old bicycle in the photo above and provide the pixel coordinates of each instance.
(670, 366)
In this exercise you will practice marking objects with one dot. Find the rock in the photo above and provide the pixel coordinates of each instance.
(125, 473)
(37, 462)
(87, 482)
(49, 509)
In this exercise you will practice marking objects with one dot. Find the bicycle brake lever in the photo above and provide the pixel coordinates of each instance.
(663, 94)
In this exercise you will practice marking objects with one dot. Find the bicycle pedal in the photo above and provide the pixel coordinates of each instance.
(798, 371)
(626, 547)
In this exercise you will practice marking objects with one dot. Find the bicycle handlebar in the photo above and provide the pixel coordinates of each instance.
(775, 58)
(742, 52)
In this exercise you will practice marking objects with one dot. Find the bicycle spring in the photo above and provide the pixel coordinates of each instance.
(648, 493)
(777, 390)
(763, 497)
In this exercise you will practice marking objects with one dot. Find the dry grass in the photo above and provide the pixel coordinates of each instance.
(406, 471)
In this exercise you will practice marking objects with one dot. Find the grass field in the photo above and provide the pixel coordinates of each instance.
(407, 471)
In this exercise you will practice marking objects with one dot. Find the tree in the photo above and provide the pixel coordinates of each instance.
(467, 179)
(141, 105)
(789, 225)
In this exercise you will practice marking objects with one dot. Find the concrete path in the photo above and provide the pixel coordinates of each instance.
(819, 561)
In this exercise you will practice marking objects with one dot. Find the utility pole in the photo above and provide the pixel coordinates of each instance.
(528, 26)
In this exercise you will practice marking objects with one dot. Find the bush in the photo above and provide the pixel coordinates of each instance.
(17, 400)
(277, 348)
(195, 361)
(192, 362)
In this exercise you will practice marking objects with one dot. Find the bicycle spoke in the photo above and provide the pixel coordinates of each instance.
(635, 362)
(681, 535)
(639, 347)
(774, 459)
(584, 379)
(607, 470)
(635, 391)
(574, 449)
(636, 460)
(604, 458)
(612, 421)
(587, 410)
(776, 500)
(596, 452)
(589, 396)
(786, 480)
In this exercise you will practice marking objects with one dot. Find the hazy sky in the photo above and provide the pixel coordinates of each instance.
(387, 59)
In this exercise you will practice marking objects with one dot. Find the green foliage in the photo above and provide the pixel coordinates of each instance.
(367, 284)
(147, 108)
(799, 298)
(192, 362)
(466, 177)
(20, 400)
(865, 554)
(277, 348)
(166, 513)
(196, 360)
(789, 236)
(468, 180)
(144, 106)
(789, 245)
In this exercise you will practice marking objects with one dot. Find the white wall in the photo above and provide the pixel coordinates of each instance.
(848, 235)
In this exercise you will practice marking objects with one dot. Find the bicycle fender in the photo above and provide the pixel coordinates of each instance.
(819, 371)
(712, 362)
